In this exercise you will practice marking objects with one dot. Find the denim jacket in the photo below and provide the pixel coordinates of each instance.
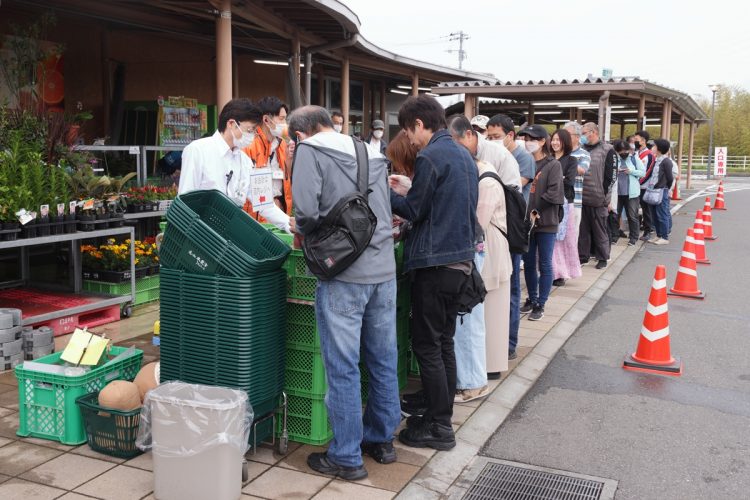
(441, 204)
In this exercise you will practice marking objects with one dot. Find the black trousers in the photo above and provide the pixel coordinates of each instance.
(433, 298)
(630, 205)
(593, 233)
(648, 223)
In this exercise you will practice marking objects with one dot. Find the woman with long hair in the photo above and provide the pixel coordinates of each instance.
(544, 208)
(565, 262)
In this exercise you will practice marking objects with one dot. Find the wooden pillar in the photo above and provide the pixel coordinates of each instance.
(691, 145)
(345, 93)
(235, 78)
(372, 100)
(470, 104)
(579, 115)
(415, 84)
(603, 126)
(530, 117)
(680, 131)
(622, 129)
(571, 114)
(322, 87)
(666, 119)
(641, 113)
(366, 109)
(382, 100)
(295, 62)
(224, 55)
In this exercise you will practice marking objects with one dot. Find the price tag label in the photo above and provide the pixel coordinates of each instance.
(72, 207)
(261, 187)
(134, 150)
(88, 204)
(44, 209)
(61, 209)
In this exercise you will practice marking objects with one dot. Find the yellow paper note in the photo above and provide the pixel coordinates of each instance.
(76, 346)
(94, 351)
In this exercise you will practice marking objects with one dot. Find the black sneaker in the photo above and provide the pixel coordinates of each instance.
(414, 421)
(527, 306)
(646, 236)
(632, 243)
(319, 462)
(429, 435)
(494, 375)
(601, 264)
(584, 261)
(383, 453)
(512, 355)
(537, 313)
(413, 408)
(559, 282)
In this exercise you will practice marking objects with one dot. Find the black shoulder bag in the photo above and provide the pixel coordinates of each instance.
(346, 231)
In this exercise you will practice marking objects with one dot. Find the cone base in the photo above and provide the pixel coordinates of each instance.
(673, 369)
(703, 261)
(718, 208)
(689, 295)
(711, 238)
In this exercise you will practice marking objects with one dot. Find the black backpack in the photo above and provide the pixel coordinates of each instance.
(519, 226)
(346, 231)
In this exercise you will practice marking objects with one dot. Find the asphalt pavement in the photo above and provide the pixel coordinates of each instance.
(660, 437)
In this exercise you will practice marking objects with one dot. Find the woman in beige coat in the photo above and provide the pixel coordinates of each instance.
(495, 272)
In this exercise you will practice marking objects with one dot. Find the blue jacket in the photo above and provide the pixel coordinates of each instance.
(637, 170)
(441, 204)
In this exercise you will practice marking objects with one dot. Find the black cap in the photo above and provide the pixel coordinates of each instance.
(534, 131)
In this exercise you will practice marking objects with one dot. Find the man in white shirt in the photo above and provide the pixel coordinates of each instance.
(375, 139)
(217, 162)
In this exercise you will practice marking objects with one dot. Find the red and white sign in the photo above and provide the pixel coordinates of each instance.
(720, 161)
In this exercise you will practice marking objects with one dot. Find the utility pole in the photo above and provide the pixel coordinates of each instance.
(460, 36)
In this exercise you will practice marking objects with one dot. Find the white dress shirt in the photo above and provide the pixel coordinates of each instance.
(497, 155)
(210, 163)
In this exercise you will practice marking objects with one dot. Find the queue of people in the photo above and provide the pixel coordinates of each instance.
(446, 197)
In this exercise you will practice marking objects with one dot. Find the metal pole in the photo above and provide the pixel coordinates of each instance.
(711, 135)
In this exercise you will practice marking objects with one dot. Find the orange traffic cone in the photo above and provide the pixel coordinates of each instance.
(700, 242)
(676, 190)
(708, 227)
(653, 354)
(686, 284)
(719, 203)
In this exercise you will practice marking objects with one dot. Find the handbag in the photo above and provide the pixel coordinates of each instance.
(346, 231)
(653, 196)
(472, 293)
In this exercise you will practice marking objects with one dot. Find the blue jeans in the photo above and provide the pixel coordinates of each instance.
(354, 318)
(661, 217)
(471, 357)
(539, 285)
(515, 301)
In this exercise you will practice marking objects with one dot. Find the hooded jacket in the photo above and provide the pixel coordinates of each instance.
(324, 171)
(547, 195)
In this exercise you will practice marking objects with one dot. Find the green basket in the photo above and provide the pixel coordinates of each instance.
(301, 327)
(305, 373)
(307, 420)
(47, 402)
(209, 234)
(146, 288)
(109, 431)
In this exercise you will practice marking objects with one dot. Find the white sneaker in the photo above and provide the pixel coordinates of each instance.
(661, 241)
(654, 241)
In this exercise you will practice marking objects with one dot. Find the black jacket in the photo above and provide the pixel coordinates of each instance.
(569, 166)
(665, 174)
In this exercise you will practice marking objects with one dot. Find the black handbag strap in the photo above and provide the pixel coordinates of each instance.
(363, 167)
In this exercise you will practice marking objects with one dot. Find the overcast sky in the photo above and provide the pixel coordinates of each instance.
(685, 44)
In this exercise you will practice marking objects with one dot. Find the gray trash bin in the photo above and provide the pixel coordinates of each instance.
(198, 435)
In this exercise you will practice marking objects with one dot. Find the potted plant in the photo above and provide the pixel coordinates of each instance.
(111, 262)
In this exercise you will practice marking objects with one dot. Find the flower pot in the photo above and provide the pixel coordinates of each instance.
(102, 220)
(70, 225)
(86, 222)
(9, 231)
(56, 224)
(42, 226)
(72, 136)
(28, 230)
(116, 220)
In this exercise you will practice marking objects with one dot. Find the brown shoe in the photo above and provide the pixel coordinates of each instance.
(466, 395)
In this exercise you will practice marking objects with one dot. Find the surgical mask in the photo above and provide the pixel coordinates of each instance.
(520, 143)
(532, 147)
(338, 128)
(637, 145)
(245, 139)
(278, 130)
(584, 140)
(632, 147)
(377, 134)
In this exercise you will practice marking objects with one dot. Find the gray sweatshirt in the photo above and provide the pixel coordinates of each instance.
(325, 170)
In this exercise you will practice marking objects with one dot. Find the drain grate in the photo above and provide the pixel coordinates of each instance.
(507, 482)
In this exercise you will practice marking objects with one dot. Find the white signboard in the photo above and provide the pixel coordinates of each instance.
(608, 122)
(720, 161)
(261, 187)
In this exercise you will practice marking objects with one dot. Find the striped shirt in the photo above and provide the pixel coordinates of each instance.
(584, 160)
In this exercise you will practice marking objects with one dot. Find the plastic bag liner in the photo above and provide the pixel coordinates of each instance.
(179, 419)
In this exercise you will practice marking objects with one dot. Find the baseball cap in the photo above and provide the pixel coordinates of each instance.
(376, 124)
(534, 131)
(480, 121)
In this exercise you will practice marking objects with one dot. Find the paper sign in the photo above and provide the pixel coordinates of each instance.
(44, 209)
(88, 204)
(72, 207)
(720, 161)
(61, 209)
(134, 150)
(94, 351)
(261, 187)
(278, 173)
(76, 346)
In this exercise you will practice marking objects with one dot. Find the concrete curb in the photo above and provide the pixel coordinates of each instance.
(438, 478)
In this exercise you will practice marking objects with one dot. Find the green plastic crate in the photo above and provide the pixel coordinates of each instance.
(162, 226)
(112, 432)
(146, 288)
(307, 420)
(47, 403)
(301, 326)
(305, 373)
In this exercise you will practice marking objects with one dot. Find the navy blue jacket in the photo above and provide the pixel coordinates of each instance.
(441, 204)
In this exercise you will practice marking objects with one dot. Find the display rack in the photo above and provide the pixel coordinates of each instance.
(77, 275)
(180, 121)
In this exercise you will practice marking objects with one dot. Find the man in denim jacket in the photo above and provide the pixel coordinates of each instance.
(439, 252)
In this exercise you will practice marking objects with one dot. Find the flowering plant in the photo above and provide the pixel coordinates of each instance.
(150, 193)
(116, 256)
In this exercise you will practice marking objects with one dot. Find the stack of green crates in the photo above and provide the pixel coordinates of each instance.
(223, 297)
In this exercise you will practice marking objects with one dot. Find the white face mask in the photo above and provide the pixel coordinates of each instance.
(278, 130)
(532, 147)
(245, 139)
(377, 134)
(338, 128)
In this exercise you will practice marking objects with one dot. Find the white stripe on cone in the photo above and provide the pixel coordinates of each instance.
(653, 336)
(656, 310)
(685, 270)
(689, 255)
(659, 284)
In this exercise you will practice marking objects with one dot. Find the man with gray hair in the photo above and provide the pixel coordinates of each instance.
(584, 160)
(596, 196)
(355, 310)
